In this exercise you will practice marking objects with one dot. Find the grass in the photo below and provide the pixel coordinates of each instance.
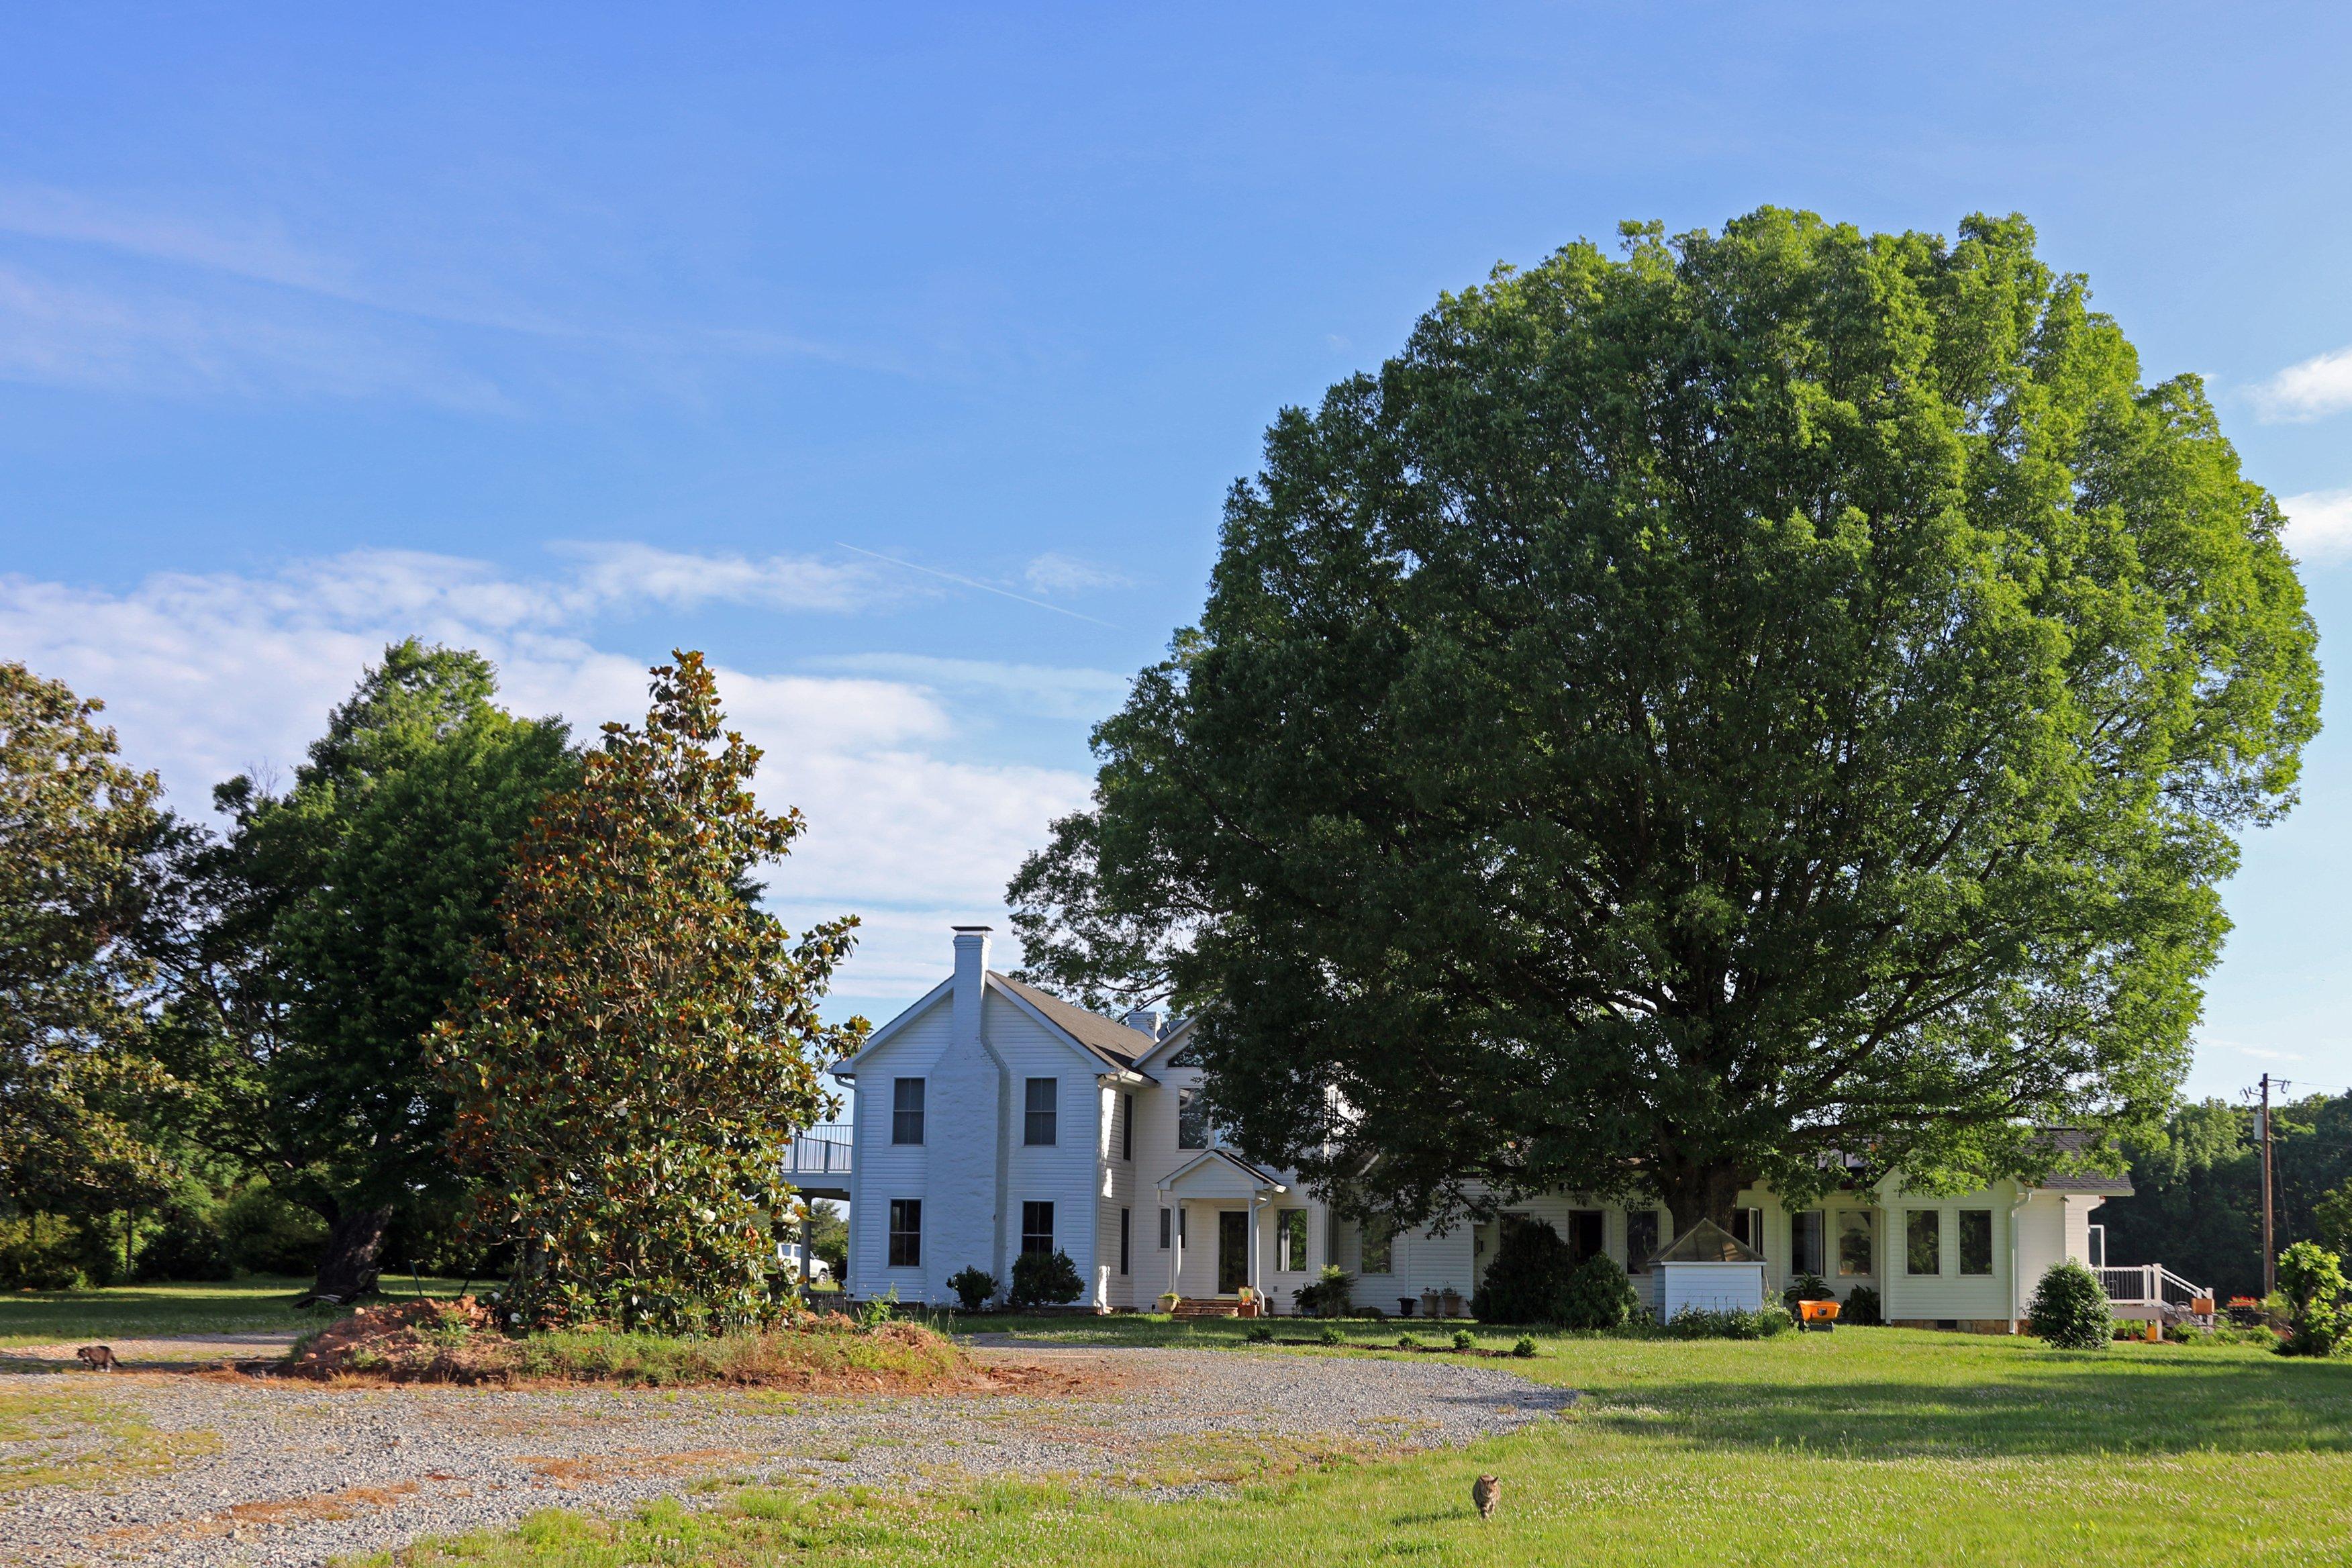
(73, 1439)
(1879, 1447)
(149, 1312)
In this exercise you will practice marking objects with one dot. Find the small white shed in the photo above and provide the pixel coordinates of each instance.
(1706, 1269)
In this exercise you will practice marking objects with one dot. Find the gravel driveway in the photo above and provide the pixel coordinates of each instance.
(299, 1473)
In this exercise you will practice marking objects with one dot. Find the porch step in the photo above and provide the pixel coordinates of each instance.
(1207, 1307)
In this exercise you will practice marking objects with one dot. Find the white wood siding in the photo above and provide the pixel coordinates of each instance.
(881, 1171)
(1064, 1172)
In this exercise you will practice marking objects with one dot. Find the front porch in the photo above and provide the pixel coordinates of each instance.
(1216, 1252)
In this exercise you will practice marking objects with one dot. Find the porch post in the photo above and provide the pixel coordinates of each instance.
(1176, 1249)
(1255, 1289)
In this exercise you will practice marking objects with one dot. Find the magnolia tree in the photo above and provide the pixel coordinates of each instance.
(640, 1040)
(1779, 700)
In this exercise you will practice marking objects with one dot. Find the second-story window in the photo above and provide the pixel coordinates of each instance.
(907, 1111)
(1127, 1127)
(1038, 1125)
(1191, 1119)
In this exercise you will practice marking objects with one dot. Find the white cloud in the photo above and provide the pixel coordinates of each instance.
(205, 675)
(172, 344)
(2318, 524)
(2318, 386)
(1053, 572)
(1044, 690)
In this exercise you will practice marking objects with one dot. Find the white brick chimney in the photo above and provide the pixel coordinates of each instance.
(968, 1101)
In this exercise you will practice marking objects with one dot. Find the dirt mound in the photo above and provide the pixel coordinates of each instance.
(460, 1342)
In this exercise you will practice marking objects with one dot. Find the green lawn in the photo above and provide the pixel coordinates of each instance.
(140, 1312)
(1873, 1448)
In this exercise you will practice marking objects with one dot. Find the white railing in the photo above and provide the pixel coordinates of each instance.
(2151, 1285)
(822, 1150)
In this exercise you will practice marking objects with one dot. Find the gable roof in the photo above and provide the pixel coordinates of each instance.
(1111, 1042)
(2074, 1141)
(1165, 1048)
(1707, 1242)
(1256, 1172)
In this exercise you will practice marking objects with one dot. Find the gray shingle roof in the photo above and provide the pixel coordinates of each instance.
(1114, 1042)
(2074, 1140)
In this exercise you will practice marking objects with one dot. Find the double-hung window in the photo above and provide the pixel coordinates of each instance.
(1923, 1241)
(1039, 1124)
(906, 1233)
(1640, 1239)
(1290, 1237)
(1379, 1254)
(907, 1111)
(1127, 1128)
(1853, 1245)
(1163, 1230)
(1125, 1228)
(1976, 1241)
(1805, 1243)
(1191, 1119)
(1036, 1227)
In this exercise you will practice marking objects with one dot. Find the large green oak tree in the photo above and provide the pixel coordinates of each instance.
(1776, 699)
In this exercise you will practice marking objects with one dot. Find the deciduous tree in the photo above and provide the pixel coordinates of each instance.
(1780, 698)
(337, 922)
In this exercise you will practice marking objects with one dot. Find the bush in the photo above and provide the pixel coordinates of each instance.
(1528, 1280)
(2070, 1309)
(975, 1287)
(1259, 1334)
(50, 1252)
(1329, 1295)
(1697, 1323)
(1599, 1296)
(264, 1234)
(1331, 1336)
(1807, 1288)
(2312, 1279)
(1045, 1279)
(1862, 1307)
(1463, 1340)
(1526, 1349)
(1408, 1343)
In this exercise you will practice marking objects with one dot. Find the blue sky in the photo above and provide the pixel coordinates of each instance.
(576, 333)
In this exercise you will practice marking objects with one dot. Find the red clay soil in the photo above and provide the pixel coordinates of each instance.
(459, 1343)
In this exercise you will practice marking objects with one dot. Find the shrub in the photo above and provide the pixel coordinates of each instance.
(1700, 1324)
(1331, 1294)
(1528, 1280)
(975, 1287)
(1331, 1336)
(1599, 1296)
(1807, 1288)
(2312, 1279)
(1525, 1349)
(1046, 1279)
(1408, 1343)
(2070, 1309)
(1463, 1340)
(50, 1252)
(1862, 1307)
(1259, 1334)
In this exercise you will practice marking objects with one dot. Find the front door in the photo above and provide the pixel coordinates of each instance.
(1232, 1251)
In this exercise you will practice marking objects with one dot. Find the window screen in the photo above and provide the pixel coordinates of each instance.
(1191, 1119)
(1640, 1239)
(907, 1111)
(1036, 1226)
(906, 1233)
(1805, 1242)
(1923, 1242)
(1853, 1249)
(1039, 1125)
(1290, 1238)
(1380, 1247)
(1976, 1241)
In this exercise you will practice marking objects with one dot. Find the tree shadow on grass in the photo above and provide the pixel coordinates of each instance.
(2069, 1405)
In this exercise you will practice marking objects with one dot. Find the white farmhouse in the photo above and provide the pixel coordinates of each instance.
(995, 1117)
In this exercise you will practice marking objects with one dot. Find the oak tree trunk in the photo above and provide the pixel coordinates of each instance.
(1692, 1191)
(349, 1268)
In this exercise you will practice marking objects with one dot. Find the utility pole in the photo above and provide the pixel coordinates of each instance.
(2270, 1259)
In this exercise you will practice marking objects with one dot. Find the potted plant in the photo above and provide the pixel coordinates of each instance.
(1168, 1300)
(1453, 1301)
(1248, 1299)
(1428, 1303)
